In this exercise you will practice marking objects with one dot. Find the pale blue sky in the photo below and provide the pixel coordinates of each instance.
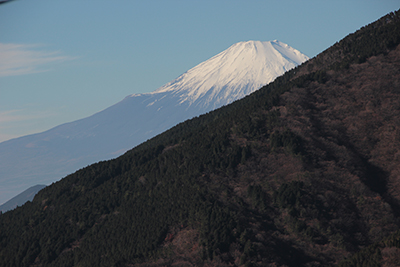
(65, 60)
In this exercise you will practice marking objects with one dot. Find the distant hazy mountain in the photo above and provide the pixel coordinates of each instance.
(232, 74)
(20, 199)
(303, 172)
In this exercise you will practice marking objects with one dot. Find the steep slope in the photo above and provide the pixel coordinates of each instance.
(228, 76)
(20, 199)
(234, 73)
(303, 172)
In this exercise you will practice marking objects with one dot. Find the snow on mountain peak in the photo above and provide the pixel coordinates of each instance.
(234, 73)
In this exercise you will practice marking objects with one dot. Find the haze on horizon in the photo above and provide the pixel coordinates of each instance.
(234, 73)
(62, 61)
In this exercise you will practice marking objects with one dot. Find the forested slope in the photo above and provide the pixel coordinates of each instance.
(304, 172)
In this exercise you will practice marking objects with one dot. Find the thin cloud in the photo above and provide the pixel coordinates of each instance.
(12, 115)
(20, 59)
(19, 122)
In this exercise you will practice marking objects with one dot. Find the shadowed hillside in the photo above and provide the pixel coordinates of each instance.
(20, 199)
(303, 172)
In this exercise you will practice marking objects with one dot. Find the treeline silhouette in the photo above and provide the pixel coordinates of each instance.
(254, 183)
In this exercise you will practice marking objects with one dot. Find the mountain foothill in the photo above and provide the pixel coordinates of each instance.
(302, 172)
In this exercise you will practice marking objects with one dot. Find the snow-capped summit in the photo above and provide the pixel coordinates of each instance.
(232, 74)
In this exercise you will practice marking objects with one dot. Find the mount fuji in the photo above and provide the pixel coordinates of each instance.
(45, 157)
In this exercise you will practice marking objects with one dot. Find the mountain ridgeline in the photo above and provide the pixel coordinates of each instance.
(303, 172)
(20, 199)
(232, 74)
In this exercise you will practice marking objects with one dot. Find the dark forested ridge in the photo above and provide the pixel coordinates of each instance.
(21, 198)
(304, 172)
